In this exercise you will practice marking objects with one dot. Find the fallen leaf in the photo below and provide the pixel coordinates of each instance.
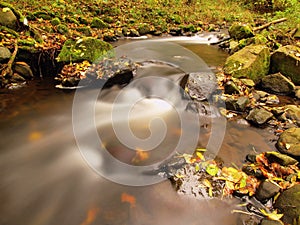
(129, 199)
(91, 216)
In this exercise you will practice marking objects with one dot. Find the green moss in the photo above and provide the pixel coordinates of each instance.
(251, 62)
(239, 31)
(98, 23)
(87, 48)
(144, 29)
(84, 30)
(55, 21)
(42, 15)
(108, 19)
(63, 29)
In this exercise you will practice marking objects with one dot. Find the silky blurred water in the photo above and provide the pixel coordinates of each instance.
(45, 180)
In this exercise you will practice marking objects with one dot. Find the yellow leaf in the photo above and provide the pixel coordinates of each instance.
(272, 215)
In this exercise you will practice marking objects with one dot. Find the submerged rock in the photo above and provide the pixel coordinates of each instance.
(259, 116)
(289, 142)
(86, 48)
(270, 222)
(288, 203)
(286, 60)
(251, 62)
(239, 31)
(278, 83)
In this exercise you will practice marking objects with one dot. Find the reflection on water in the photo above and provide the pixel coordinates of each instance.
(45, 181)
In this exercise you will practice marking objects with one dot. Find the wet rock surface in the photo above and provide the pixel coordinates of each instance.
(286, 60)
(259, 116)
(288, 203)
(266, 190)
(289, 142)
(277, 83)
(240, 31)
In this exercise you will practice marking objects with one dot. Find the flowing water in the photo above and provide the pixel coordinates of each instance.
(46, 180)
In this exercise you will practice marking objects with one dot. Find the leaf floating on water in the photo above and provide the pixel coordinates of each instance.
(129, 199)
(140, 155)
(91, 216)
(35, 135)
(272, 215)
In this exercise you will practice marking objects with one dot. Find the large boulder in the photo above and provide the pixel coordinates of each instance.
(8, 18)
(288, 203)
(286, 60)
(87, 48)
(252, 62)
(239, 31)
(200, 86)
(278, 83)
(289, 142)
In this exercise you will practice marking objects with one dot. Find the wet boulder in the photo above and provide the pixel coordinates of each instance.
(200, 86)
(238, 104)
(5, 54)
(292, 112)
(250, 62)
(266, 190)
(289, 142)
(286, 60)
(23, 69)
(144, 29)
(86, 48)
(277, 83)
(239, 31)
(282, 159)
(8, 18)
(259, 116)
(288, 203)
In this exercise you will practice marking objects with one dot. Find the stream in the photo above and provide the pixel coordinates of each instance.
(46, 180)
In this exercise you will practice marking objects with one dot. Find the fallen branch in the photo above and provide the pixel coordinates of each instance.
(269, 24)
(8, 70)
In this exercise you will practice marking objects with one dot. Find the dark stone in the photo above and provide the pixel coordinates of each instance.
(200, 86)
(277, 83)
(292, 112)
(23, 69)
(288, 203)
(231, 88)
(238, 104)
(5, 54)
(289, 142)
(266, 190)
(282, 159)
(144, 29)
(259, 116)
(286, 60)
(16, 78)
(134, 33)
(8, 18)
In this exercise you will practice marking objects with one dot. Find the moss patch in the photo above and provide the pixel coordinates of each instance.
(87, 48)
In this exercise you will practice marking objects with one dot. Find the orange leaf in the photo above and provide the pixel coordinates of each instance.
(91, 216)
(129, 199)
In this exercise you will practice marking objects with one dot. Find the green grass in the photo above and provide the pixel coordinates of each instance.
(163, 13)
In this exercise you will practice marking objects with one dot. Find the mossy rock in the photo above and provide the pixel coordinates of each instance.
(98, 23)
(289, 142)
(55, 21)
(251, 62)
(8, 18)
(277, 83)
(288, 203)
(240, 31)
(108, 19)
(286, 60)
(86, 48)
(83, 20)
(144, 29)
(86, 31)
(42, 15)
(62, 29)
